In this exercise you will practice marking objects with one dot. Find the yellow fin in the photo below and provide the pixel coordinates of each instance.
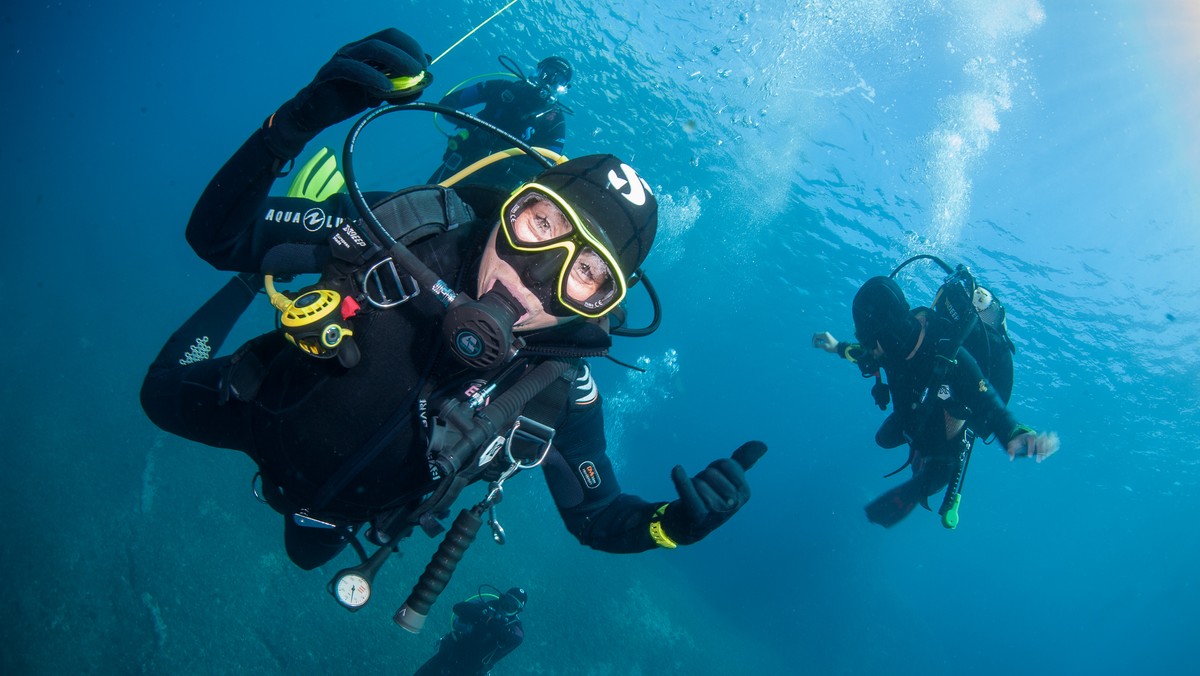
(319, 178)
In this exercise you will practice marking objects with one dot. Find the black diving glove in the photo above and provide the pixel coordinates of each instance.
(355, 79)
(706, 500)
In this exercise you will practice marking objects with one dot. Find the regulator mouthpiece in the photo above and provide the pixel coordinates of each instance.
(480, 331)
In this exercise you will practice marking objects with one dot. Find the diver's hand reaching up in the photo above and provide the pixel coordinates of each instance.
(1033, 445)
(825, 341)
(358, 77)
(706, 500)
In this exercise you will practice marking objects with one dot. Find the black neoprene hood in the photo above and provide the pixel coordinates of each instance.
(613, 199)
(881, 314)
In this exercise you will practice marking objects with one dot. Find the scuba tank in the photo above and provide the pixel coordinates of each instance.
(976, 319)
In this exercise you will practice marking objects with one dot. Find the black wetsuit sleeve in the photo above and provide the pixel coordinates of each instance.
(586, 492)
(235, 221)
(465, 97)
(988, 414)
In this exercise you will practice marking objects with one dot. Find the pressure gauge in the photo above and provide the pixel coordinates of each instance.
(352, 590)
(352, 586)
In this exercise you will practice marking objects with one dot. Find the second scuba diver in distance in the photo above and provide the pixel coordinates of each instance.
(940, 401)
(526, 107)
(487, 627)
(355, 416)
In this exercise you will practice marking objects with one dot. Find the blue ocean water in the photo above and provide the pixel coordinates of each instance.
(796, 148)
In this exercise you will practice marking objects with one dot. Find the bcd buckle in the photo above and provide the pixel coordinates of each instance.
(388, 288)
(528, 429)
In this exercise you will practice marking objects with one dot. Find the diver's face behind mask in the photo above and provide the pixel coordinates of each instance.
(553, 77)
(496, 273)
(548, 257)
(551, 258)
(481, 332)
(565, 262)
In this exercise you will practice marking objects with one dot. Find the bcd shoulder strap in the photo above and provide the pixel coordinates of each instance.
(409, 216)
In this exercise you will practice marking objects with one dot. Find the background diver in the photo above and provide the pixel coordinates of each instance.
(344, 432)
(937, 410)
(487, 627)
(526, 107)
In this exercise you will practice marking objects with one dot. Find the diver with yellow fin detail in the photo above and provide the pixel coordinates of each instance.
(445, 344)
(949, 377)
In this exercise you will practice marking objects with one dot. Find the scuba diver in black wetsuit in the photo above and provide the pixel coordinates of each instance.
(397, 379)
(528, 108)
(486, 628)
(941, 395)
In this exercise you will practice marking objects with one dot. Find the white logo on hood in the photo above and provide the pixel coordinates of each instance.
(638, 188)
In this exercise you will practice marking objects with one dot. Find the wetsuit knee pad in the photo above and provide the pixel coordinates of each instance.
(890, 433)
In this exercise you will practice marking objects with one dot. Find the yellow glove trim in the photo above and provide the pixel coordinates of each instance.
(656, 530)
(844, 352)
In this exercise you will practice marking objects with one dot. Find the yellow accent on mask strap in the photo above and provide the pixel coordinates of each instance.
(656, 530)
(319, 178)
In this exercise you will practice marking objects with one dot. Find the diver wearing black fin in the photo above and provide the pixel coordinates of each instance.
(940, 401)
(338, 444)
